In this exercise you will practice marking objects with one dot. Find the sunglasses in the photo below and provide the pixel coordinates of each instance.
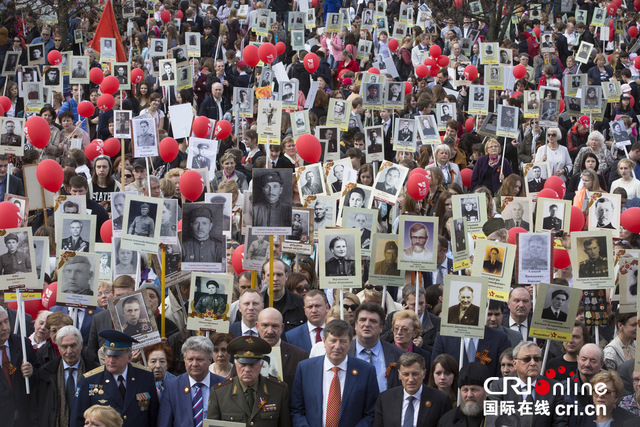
(377, 287)
(128, 176)
(527, 359)
(303, 288)
(553, 135)
(351, 307)
(16, 41)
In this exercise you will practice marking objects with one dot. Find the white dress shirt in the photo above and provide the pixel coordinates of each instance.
(312, 332)
(416, 405)
(205, 390)
(65, 365)
(327, 377)
(525, 327)
(245, 330)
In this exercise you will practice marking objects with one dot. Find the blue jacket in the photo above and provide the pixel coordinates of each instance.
(299, 336)
(331, 6)
(72, 105)
(176, 407)
(85, 328)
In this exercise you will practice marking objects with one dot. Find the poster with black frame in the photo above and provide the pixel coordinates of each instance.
(555, 312)
(404, 137)
(269, 121)
(209, 302)
(340, 258)
(203, 243)
(494, 260)
(473, 208)
(365, 220)
(460, 244)
(507, 121)
(141, 223)
(478, 99)
(604, 212)
(133, 316)
(573, 82)
(534, 256)
(339, 113)
(464, 304)
(428, 129)
(301, 239)
(627, 279)
(592, 260)
(243, 99)
(193, 44)
(272, 201)
(310, 181)
(122, 124)
(418, 243)
(17, 259)
(78, 283)
(383, 268)
(389, 182)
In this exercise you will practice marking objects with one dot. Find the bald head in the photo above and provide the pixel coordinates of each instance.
(590, 361)
(270, 325)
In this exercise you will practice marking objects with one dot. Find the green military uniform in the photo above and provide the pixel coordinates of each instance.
(217, 303)
(595, 268)
(10, 139)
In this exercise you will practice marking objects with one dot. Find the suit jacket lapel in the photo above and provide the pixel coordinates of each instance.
(349, 381)
(186, 397)
(113, 391)
(423, 410)
(238, 396)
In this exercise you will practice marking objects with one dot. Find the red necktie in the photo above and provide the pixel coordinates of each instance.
(6, 363)
(318, 334)
(333, 402)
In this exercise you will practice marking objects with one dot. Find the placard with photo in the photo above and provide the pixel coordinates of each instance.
(168, 72)
(611, 90)
(193, 44)
(53, 78)
(355, 195)
(599, 15)
(117, 210)
(547, 44)
(418, 243)
(374, 142)
(159, 47)
(383, 269)
(299, 123)
(489, 126)
(179, 54)
(372, 95)
(256, 251)
(328, 136)
(494, 260)
(505, 57)
(36, 54)
(296, 21)
(459, 76)
(260, 22)
(10, 64)
(125, 261)
(33, 101)
(333, 23)
(269, 121)
(12, 136)
(169, 222)
(473, 208)
(445, 111)
(17, 259)
(507, 121)
(145, 137)
(310, 18)
(209, 302)
(517, 212)
(619, 132)
(535, 11)
(535, 258)
(464, 304)
(203, 243)
(404, 138)
(78, 280)
(364, 220)
(108, 49)
(428, 129)
(584, 52)
(289, 94)
(201, 154)
(105, 251)
(552, 215)
(367, 20)
(297, 40)
(478, 99)
(340, 258)
(554, 314)
(581, 15)
(79, 70)
(300, 241)
(33, 190)
(272, 200)
(535, 175)
(41, 252)
(324, 212)
(604, 212)
(141, 223)
(133, 316)
(339, 113)
(225, 199)
(243, 99)
(122, 124)
(310, 179)
(122, 71)
(573, 83)
(460, 244)
(23, 206)
(549, 113)
(75, 232)
(364, 48)
(389, 182)
(572, 106)
(494, 76)
(488, 53)
(592, 260)
(627, 279)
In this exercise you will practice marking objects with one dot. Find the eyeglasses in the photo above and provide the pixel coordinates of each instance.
(57, 40)
(128, 176)
(527, 359)
(351, 307)
(301, 289)
(17, 41)
(377, 287)
(403, 330)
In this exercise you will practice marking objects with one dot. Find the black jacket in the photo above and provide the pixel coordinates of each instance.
(292, 311)
(15, 400)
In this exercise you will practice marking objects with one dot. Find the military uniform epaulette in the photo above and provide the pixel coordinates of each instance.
(94, 371)
(276, 381)
(139, 366)
(224, 383)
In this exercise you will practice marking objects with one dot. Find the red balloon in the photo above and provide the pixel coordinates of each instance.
(471, 72)
(309, 148)
(465, 174)
(92, 151)
(106, 102)
(111, 147)
(435, 51)
(548, 193)
(179, 14)
(169, 149)
(311, 62)
(223, 129)
(5, 102)
(281, 48)
(1, 111)
(9, 215)
(110, 85)
(191, 185)
(393, 45)
(408, 88)
(434, 71)
(86, 109)
(556, 184)
(373, 70)
(537, 31)
(236, 259)
(422, 71)
(418, 186)
(314, 3)
(519, 71)
(49, 295)
(443, 61)
(37, 131)
(469, 125)
(636, 4)
(612, 10)
(457, 3)
(417, 171)
(201, 127)
(513, 232)
(106, 231)
(96, 75)
(137, 75)
(267, 53)
(633, 31)
(50, 175)
(577, 219)
(32, 307)
(561, 258)
(250, 55)
(636, 62)
(630, 220)
(430, 62)
(54, 57)
(165, 16)
(180, 225)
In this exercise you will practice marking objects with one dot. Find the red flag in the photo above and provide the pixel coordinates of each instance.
(108, 27)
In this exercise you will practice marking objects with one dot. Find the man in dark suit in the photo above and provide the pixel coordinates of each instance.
(250, 305)
(536, 183)
(312, 406)
(492, 265)
(519, 318)
(552, 222)
(16, 186)
(306, 335)
(176, 406)
(368, 347)
(17, 408)
(425, 405)
(517, 220)
(464, 313)
(365, 233)
(134, 397)
(495, 315)
(554, 312)
(74, 361)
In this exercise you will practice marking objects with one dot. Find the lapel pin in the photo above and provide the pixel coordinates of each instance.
(354, 372)
(427, 404)
(186, 390)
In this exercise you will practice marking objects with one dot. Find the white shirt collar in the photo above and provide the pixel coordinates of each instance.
(65, 365)
(312, 328)
(245, 328)
(417, 395)
(513, 322)
(206, 381)
(124, 375)
(327, 365)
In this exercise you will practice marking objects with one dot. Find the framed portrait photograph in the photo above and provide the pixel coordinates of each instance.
(179, 54)
(364, 49)
(299, 123)
(534, 177)
(489, 126)
(367, 19)
(628, 280)
(256, 252)
(169, 222)
(584, 52)
(22, 203)
(619, 132)
(33, 100)
(310, 180)
(478, 99)
(201, 154)
(41, 252)
(158, 47)
(611, 90)
(133, 316)
(372, 95)
(324, 212)
(124, 261)
(203, 242)
(340, 259)
(535, 258)
(445, 111)
(243, 99)
(108, 49)
(17, 259)
(489, 53)
(549, 113)
(554, 314)
(374, 142)
(78, 279)
(505, 57)
(76, 233)
(471, 207)
(68, 205)
(105, 271)
(266, 77)
(53, 78)
(209, 301)
(329, 136)
(517, 212)
(11, 62)
(356, 196)
(389, 181)
(428, 129)
(193, 44)
(581, 15)
(591, 259)
(128, 9)
(573, 83)
(604, 212)
(494, 76)
(301, 231)
(141, 223)
(547, 44)
(261, 22)
(552, 215)
(404, 137)
(269, 121)
(362, 219)
(12, 136)
(297, 40)
(394, 95)
(418, 243)
(339, 113)
(296, 21)
(289, 94)
(272, 201)
(383, 269)
(36, 54)
(464, 304)
(168, 73)
(508, 121)
(122, 124)
(334, 23)
(310, 18)
(122, 71)
(494, 260)
(572, 106)
(599, 15)
(79, 70)
(117, 210)
(460, 244)
(145, 138)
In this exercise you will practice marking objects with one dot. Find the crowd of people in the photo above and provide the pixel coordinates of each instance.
(490, 124)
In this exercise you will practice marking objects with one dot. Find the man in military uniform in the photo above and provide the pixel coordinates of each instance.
(310, 188)
(127, 387)
(250, 398)
(535, 258)
(78, 276)
(258, 248)
(200, 161)
(168, 222)
(596, 265)
(14, 261)
(10, 138)
(145, 139)
(552, 222)
(75, 242)
(272, 211)
(143, 224)
(388, 266)
(339, 264)
(212, 301)
(131, 310)
(405, 134)
(201, 246)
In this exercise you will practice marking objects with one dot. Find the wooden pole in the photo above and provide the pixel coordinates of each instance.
(163, 289)
(44, 207)
(271, 271)
(122, 163)
(254, 279)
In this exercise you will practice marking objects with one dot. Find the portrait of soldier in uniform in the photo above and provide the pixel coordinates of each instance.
(14, 261)
(212, 300)
(389, 265)
(143, 224)
(9, 136)
(595, 265)
(135, 323)
(270, 207)
(199, 244)
(77, 276)
(340, 264)
(75, 242)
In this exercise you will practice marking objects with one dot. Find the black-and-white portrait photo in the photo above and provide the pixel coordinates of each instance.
(394, 93)
(460, 236)
(159, 47)
(122, 124)
(389, 180)
(374, 139)
(428, 127)
(79, 69)
(76, 234)
(556, 303)
(418, 239)
(52, 76)
(619, 131)
(117, 211)
(536, 177)
(446, 112)
(514, 215)
(272, 198)
(266, 77)
(15, 254)
(363, 221)
(329, 135)
(405, 133)
(553, 215)
(11, 134)
(469, 208)
(464, 307)
(288, 93)
(36, 54)
(77, 275)
(142, 218)
(211, 296)
(243, 98)
(592, 255)
(121, 72)
(310, 181)
(339, 109)
(591, 97)
(107, 49)
(357, 197)
(605, 212)
(10, 65)
(180, 55)
(341, 256)
(534, 251)
(299, 226)
(126, 260)
(168, 73)
(202, 238)
(144, 137)
(372, 93)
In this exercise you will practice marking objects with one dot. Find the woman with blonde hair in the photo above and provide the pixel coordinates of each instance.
(627, 180)
(556, 155)
(589, 183)
(228, 171)
(490, 171)
(450, 171)
(102, 416)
